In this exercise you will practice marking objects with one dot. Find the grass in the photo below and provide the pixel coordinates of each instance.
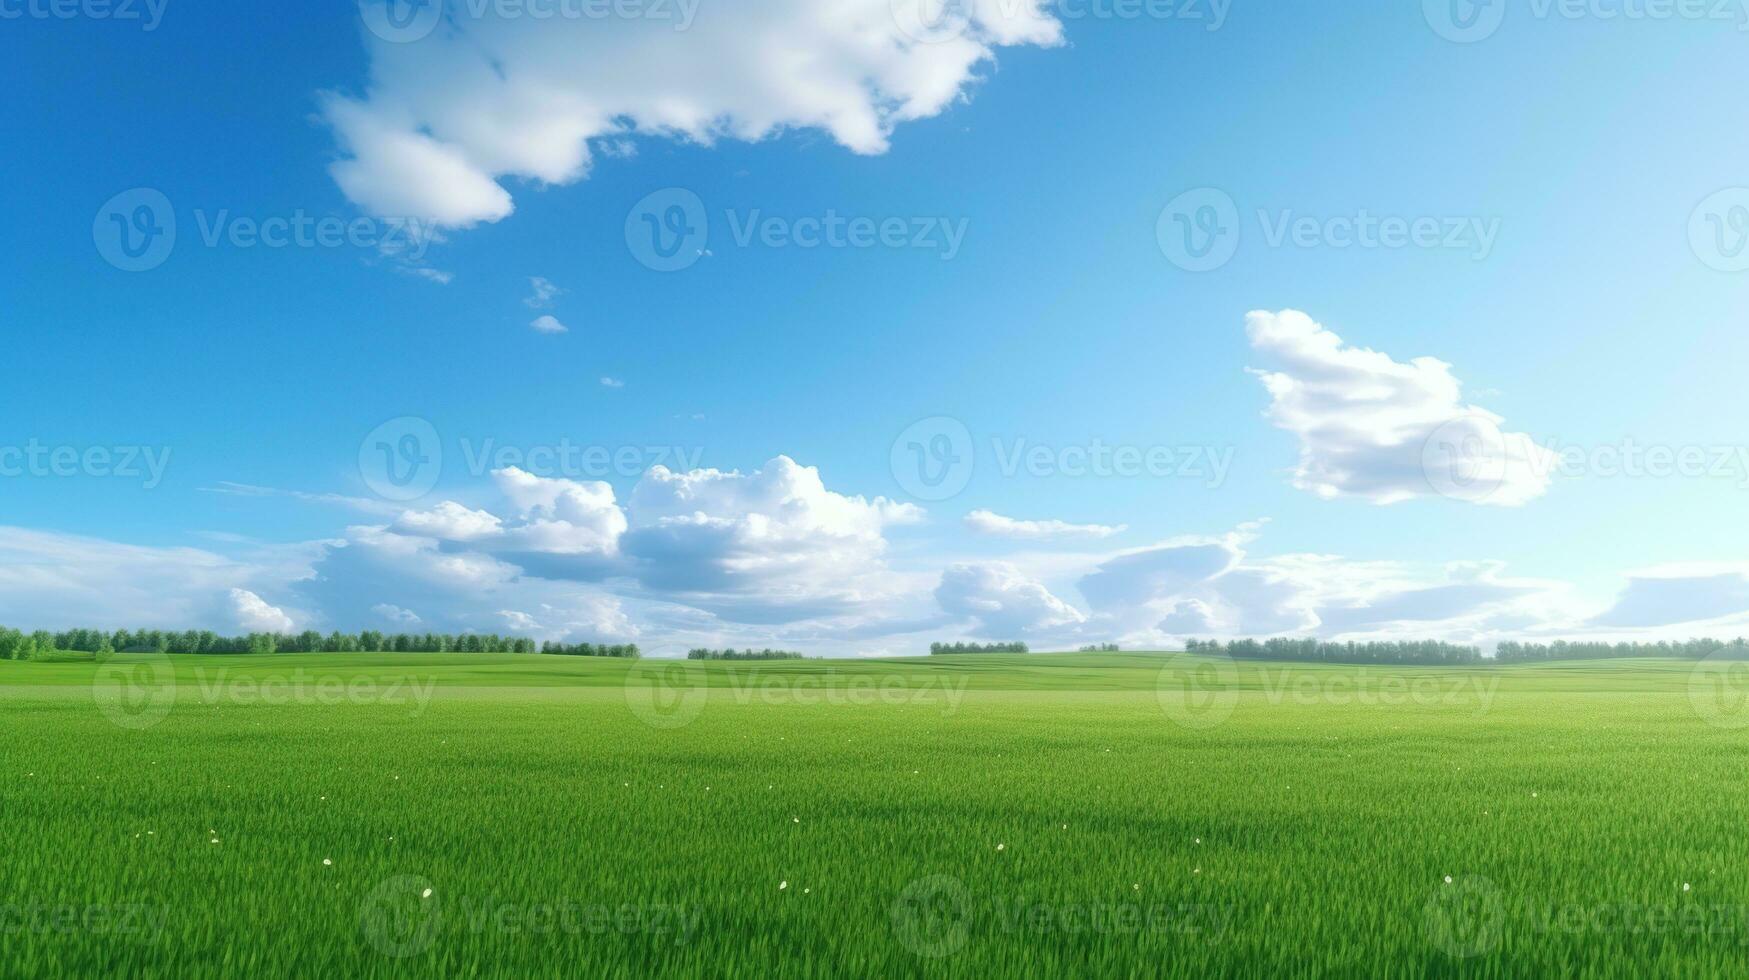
(1126, 814)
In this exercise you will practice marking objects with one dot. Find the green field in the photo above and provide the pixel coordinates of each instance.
(1122, 814)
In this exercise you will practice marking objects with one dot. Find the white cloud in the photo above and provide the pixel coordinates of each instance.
(543, 293)
(438, 276)
(58, 581)
(444, 120)
(567, 516)
(1675, 594)
(1005, 602)
(612, 383)
(774, 558)
(988, 522)
(395, 614)
(548, 324)
(254, 615)
(450, 521)
(395, 171)
(591, 618)
(774, 545)
(1386, 431)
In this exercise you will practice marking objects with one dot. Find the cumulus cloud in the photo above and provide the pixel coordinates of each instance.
(254, 615)
(373, 567)
(1152, 576)
(548, 324)
(444, 121)
(996, 525)
(1004, 602)
(774, 544)
(561, 516)
(1213, 587)
(594, 618)
(1385, 431)
(450, 521)
(770, 547)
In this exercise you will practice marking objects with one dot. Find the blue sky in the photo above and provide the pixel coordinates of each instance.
(1583, 166)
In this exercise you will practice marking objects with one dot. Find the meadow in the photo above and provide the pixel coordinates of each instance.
(1115, 814)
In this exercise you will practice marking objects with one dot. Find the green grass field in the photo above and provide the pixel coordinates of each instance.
(1123, 814)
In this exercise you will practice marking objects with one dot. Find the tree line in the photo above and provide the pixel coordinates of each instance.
(1514, 652)
(946, 649)
(748, 654)
(626, 651)
(1320, 651)
(17, 645)
(1101, 648)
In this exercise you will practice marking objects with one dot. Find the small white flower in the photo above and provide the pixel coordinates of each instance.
(1001, 847)
(782, 885)
(1448, 879)
(1685, 886)
(427, 893)
(327, 863)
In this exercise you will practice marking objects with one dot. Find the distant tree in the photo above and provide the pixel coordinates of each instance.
(949, 649)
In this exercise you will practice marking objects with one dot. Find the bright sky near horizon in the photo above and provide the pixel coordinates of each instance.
(851, 325)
